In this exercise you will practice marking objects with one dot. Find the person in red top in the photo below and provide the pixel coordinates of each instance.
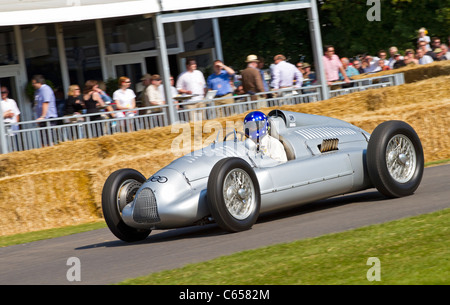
(333, 66)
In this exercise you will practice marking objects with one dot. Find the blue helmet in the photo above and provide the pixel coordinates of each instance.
(256, 125)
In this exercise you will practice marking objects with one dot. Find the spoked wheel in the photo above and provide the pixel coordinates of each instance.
(233, 194)
(118, 191)
(395, 159)
(401, 159)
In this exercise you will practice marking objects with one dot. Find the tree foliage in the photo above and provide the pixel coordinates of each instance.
(265, 35)
(344, 24)
(349, 30)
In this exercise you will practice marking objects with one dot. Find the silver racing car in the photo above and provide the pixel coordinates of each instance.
(231, 182)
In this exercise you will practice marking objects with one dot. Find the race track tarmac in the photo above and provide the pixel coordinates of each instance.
(105, 259)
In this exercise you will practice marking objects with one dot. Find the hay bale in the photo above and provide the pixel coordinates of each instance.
(46, 200)
(66, 155)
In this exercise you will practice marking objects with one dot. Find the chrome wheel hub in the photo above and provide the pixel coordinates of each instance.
(401, 158)
(126, 193)
(239, 194)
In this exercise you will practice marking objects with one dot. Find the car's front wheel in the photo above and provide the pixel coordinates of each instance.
(233, 194)
(119, 190)
(395, 160)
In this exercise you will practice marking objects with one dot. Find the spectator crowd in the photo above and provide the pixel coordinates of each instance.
(192, 88)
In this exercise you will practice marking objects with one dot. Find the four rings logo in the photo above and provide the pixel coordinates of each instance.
(159, 179)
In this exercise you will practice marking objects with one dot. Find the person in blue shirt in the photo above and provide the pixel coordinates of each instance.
(44, 98)
(220, 80)
(349, 70)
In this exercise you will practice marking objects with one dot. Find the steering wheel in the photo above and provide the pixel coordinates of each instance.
(233, 132)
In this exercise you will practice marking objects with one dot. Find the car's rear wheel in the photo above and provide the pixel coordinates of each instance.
(119, 190)
(233, 194)
(395, 159)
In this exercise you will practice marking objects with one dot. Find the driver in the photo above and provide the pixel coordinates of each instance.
(257, 128)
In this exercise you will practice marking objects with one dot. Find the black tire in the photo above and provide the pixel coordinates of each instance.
(121, 184)
(395, 160)
(220, 179)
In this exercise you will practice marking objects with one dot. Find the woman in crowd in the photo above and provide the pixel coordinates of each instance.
(124, 97)
(74, 103)
(11, 112)
(92, 99)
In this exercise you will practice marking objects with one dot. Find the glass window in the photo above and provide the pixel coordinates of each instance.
(82, 52)
(171, 35)
(8, 50)
(198, 35)
(41, 52)
(131, 34)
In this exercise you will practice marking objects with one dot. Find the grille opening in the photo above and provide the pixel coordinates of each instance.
(145, 207)
(328, 145)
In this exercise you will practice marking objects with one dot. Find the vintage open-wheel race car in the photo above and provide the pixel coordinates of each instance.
(231, 182)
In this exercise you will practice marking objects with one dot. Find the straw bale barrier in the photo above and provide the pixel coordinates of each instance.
(61, 185)
(49, 199)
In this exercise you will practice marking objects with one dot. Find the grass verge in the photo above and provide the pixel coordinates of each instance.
(23, 238)
(411, 251)
(438, 162)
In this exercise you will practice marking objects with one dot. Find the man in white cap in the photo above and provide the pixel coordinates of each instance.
(251, 78)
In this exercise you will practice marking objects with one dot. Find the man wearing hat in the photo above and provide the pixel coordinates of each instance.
(440, 54)
(309, 77)
(252, 80)
(146, 81)
(154, 93)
